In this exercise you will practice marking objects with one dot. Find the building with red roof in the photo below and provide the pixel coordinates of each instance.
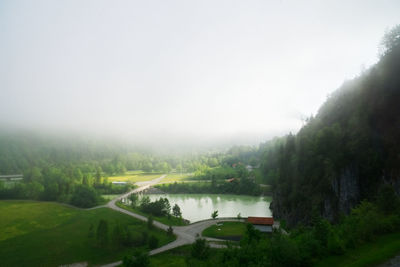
(263, 224)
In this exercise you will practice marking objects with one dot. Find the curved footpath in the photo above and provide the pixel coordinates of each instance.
(185, 234)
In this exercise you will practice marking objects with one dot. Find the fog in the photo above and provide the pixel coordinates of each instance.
(181, 71)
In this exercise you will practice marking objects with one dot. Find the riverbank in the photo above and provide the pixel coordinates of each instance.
(173, 221)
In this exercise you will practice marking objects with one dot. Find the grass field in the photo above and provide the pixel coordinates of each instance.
(165, 220)
(370, 254)
(50, 234)
(134, 176)
(225, 230)
(177, 177)
(110, 197)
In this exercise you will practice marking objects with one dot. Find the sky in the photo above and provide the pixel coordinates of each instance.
(242, 71)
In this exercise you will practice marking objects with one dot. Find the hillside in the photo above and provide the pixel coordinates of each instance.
(346, 152)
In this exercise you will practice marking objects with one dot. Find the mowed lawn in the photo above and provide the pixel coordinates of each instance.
(50, 234)
(134, 176)
(225, 230)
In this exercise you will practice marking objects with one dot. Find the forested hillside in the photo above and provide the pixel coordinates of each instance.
(57, 167)
(347, 151)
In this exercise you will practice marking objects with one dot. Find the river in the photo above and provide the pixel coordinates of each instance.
(196, 207)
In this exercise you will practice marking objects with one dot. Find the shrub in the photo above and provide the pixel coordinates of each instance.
(84, 197)
(153, 242)
(200, 249)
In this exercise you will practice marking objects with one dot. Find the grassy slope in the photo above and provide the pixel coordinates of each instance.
(369, 254)
(50, 234)
(110, 197)
(227, 229)
(165, 220)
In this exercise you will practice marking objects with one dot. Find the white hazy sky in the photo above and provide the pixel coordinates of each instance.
(181, 68)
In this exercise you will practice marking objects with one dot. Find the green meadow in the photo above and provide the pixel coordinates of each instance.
(177, 177)
(225, 230)
(134, 176)
(51, 234)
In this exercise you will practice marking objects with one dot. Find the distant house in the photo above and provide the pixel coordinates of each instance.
(249, 168)
(119, 183)
(13, 177)
(263, 224)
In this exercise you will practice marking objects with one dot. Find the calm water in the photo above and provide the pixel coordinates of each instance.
(196, 207)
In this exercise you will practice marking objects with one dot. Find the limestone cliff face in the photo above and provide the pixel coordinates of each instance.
(346, 188)
(345, 194)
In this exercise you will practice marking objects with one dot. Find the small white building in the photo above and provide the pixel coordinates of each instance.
(119, 183)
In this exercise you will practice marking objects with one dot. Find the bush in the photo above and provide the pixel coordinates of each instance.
(170, 231)
(139, 259)
(150, 222)
(335, 244)
(200, 249)
(153, 242)
(84, 197)
(387, 200)
(282, 251)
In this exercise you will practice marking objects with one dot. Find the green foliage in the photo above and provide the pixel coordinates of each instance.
(283, 251)
(391, 40)
(242, 186)
(139, 259)
(387, 200)
(150, 222)
(102, 234)
(200, 249)
(118, 236)
(153, 242)
(170, 231)
(214, 215)
(84, 197)
(134, 199)
(176, 211)
(160, 207)
(167, 220)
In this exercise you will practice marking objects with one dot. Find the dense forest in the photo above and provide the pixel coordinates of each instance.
(344, 154)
